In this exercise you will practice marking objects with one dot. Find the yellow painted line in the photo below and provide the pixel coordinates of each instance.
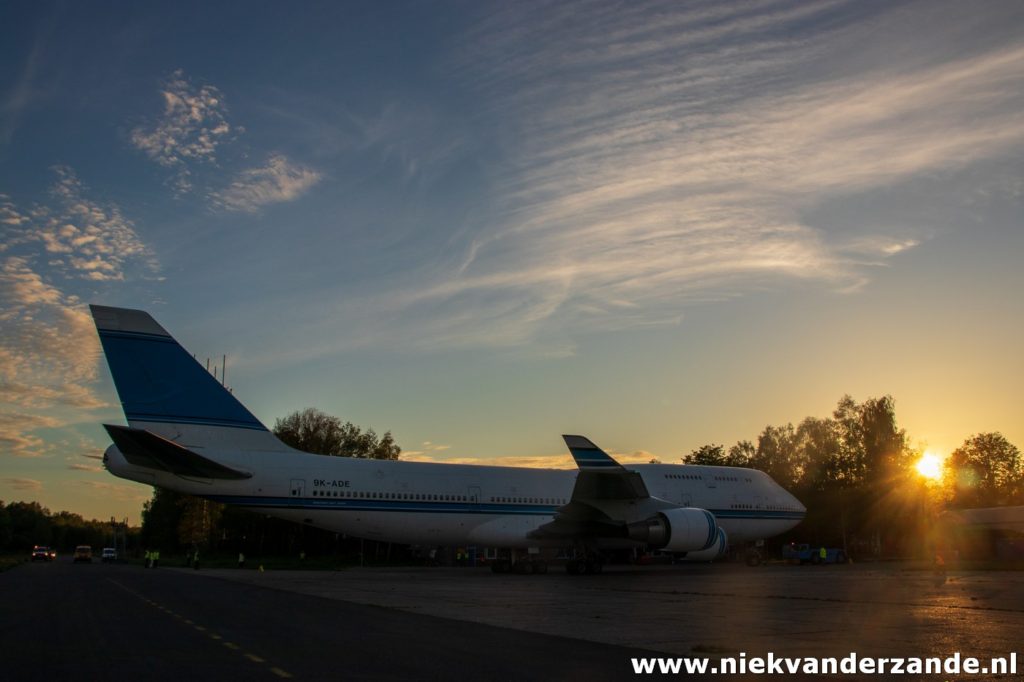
(284, 674)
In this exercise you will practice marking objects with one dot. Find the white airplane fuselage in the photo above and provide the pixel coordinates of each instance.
(456, 504)
(186, 432)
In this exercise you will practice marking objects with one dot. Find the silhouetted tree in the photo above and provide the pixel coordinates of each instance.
(161, 518)
(6, 531)
(986, 471)
(311, 430)
(741, 454)
(819, 461)
(885, 445)
(776, 454)
(24, 524)
(199, 522)
(30, 525)
(706, 454)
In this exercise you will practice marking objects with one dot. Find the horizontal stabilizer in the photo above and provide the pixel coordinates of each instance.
(146, 449)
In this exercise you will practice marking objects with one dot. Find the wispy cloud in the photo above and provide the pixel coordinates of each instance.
(24, 93)
(671, 154)
(16, 433)
(426, 450)
(278, 181)
(190, 129)
(117, 491)
(90, 468)
(24, 484)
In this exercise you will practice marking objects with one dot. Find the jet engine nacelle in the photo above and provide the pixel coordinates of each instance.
(715, 551)
(683, 529)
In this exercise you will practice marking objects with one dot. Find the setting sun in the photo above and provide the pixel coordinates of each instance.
(930, 466)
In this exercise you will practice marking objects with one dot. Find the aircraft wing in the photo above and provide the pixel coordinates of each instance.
(145, 449)
(606, 498)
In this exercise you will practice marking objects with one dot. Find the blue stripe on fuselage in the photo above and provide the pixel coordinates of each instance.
(349, 504)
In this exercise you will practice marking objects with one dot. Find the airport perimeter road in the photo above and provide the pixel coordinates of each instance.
(112, 622)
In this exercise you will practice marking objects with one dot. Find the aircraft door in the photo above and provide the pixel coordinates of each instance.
(709, 480)
(298, 487)
(474, 494)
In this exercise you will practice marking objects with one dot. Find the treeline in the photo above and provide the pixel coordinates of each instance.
(26, 524)
(856, 472)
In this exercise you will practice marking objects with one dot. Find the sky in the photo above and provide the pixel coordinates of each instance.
(481, 225)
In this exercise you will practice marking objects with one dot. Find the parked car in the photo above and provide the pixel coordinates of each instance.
(42, 553)
(108, 555)
(83, 553)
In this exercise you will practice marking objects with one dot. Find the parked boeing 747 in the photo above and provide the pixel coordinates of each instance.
(186, 432)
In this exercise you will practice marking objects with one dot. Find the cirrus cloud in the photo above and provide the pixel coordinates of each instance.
(24, 484)
(667, 154)
(279, 180)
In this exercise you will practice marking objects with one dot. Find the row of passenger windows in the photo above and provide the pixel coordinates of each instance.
(431, 497)
(734, 479)
(768, 507)
(697, 477)
(412, 497)
(528, 500)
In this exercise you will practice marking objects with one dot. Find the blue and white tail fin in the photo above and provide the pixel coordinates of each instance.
(164, 390)
(588, 456)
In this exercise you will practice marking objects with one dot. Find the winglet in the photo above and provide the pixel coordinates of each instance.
(588, 456)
